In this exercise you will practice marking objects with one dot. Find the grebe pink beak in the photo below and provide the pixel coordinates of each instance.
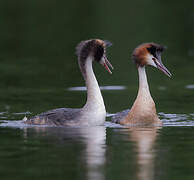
(106, 63)
(161, 67)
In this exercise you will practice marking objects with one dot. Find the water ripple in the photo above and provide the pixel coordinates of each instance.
(13, 115)
(177, 119)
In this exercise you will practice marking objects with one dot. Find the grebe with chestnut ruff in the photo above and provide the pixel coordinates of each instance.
(143, 111)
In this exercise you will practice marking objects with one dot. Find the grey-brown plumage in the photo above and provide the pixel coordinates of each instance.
(57, 117)
(118, 116)
(93, 112)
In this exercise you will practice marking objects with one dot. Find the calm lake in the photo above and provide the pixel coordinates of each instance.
(39, 72)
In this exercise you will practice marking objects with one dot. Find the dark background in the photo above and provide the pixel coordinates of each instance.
(38, 61)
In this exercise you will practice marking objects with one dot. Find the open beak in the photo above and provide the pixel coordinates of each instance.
(161, 67)
(107, 65)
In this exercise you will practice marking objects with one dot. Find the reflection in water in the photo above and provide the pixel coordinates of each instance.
(86, 147)
(145, 139)
(94, 138)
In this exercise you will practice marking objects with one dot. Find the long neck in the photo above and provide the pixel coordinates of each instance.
(143, 110)
(143, 83)
(94, 96)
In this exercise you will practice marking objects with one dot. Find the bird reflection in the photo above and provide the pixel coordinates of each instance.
(94, 139)
(144, 139)
(95, 152)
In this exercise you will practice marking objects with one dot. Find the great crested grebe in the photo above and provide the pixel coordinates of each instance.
(143, 111)
(93, 112)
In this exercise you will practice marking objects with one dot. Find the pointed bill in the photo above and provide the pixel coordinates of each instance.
(161, 67)
(105, 62)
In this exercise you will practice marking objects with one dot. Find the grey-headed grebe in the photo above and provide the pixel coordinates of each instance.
(93, 112)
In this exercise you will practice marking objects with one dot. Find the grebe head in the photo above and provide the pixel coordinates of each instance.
(96, 49)
(150, 54)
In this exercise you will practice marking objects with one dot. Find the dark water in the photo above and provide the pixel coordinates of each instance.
(38, 68)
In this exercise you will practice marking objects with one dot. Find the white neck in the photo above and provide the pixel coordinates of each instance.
(94, 97)
(143, 83)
